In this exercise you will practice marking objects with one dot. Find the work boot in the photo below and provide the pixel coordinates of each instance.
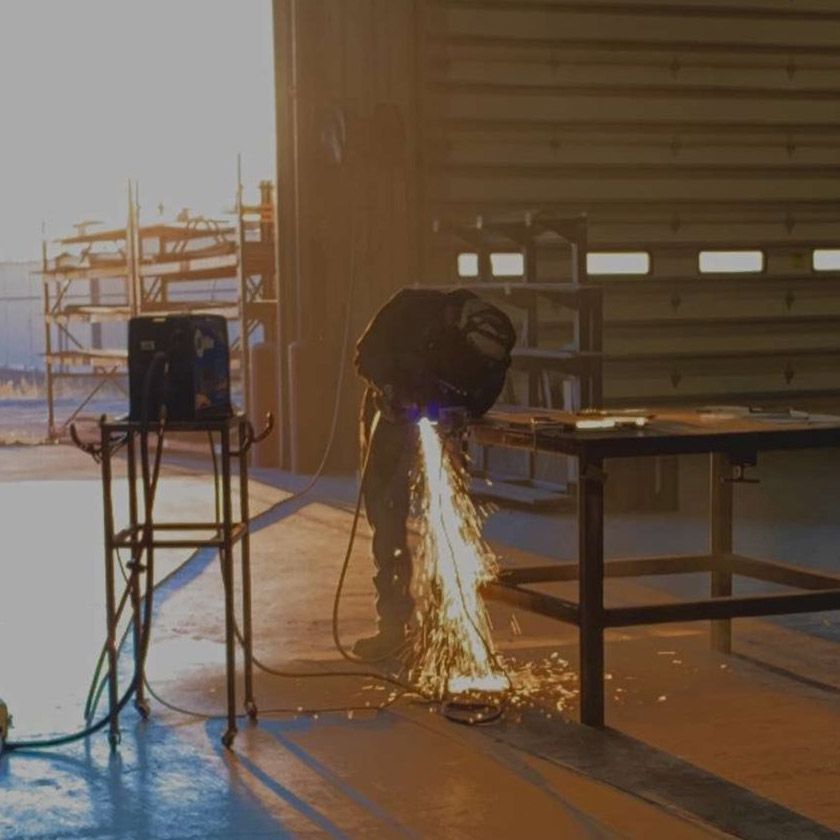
(387, 644)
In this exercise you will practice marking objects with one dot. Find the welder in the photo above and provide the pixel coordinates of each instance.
(425, 353)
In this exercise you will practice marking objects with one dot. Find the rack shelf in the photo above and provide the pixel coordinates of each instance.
(578, 363)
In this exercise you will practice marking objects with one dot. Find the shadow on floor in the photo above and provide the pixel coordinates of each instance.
(660, 778)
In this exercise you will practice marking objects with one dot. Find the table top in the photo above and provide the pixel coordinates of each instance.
(662, 431)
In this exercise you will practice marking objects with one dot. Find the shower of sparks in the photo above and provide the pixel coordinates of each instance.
(455, 651)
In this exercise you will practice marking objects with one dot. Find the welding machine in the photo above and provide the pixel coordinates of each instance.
(180, 362)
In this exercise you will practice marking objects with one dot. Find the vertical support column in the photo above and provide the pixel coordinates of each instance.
(227, 566)
(596, 367)
(579, 248)
(720, 541)
(532, 325)
(135, 568)
(286, 218)
(244, 302)
(485, 274)
(48, 344)
(95, 326)
(485, 268)
(110, 598)
(529, 254)
(588, 319)
(131, 254)
(591, 564)
(577, 388)
(245, 547)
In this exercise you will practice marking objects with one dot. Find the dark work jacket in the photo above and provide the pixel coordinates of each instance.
(412, 356)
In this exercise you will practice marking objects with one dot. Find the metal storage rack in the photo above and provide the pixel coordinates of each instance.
(192, 265)
(75, 309)
(578, 363)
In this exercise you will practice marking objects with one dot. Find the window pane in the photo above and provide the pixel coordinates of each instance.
(615, 262)
(826, 259)
(507, 265)
(468, 265)
(716, 262)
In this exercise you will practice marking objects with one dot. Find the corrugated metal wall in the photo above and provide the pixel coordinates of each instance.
(676, 127)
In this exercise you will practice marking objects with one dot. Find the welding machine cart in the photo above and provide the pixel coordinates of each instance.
(144, 535)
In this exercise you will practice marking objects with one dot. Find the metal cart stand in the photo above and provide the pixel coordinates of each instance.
(732, 445)
(144, 535)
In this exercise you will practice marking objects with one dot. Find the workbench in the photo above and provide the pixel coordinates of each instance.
(732, 437)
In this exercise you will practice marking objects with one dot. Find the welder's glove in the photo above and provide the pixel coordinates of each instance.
(396, 405)
(407, 382)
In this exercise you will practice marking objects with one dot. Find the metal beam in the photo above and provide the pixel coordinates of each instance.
(536, 602)
(723, 608)
(640, 8)
(781, 573)
(624, 567)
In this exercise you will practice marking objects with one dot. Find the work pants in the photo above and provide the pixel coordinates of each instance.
(386, 488)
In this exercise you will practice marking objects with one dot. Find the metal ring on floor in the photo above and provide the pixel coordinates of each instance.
(472, 713)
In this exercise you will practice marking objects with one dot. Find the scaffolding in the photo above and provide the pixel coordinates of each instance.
(99, 279)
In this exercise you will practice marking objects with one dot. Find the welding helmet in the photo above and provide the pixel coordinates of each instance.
(470, 356)
(487, 330)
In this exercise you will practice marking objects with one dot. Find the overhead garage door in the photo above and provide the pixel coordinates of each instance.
(702, 140)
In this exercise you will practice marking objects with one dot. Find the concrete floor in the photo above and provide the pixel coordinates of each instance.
(699, 745)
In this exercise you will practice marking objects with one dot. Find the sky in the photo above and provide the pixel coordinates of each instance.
(94, 92)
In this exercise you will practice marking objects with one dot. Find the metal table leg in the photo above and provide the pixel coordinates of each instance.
(591, 560)
(720, 541)
(227, 565)
(140, 702)
(110, 597)
(245, 548)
